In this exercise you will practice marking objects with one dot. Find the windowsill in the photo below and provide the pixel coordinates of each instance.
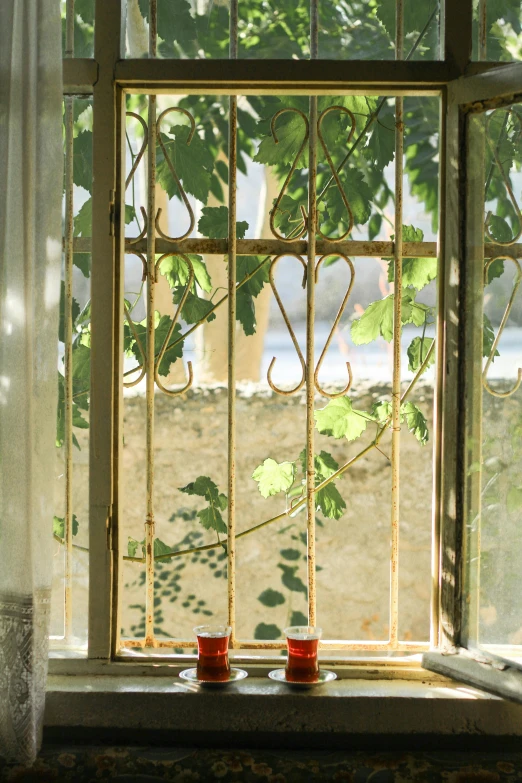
(259, 712)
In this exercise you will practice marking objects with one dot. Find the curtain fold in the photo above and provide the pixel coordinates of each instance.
(31, 177)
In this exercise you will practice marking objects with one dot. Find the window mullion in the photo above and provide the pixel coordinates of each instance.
(106, 325)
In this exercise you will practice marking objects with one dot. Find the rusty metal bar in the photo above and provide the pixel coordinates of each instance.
(271, 247)
(68, 332)
(310, 326)
(397, 330)
(250, 644)
(232, 247)
(483, 30)
(150, 350)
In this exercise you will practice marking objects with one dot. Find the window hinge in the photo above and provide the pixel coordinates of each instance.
(112, 213)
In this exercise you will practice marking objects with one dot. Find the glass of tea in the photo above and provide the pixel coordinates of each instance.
(302, 642)
(213, 664)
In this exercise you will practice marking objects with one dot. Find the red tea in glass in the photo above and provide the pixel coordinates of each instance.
(213, 664)
(302, 643)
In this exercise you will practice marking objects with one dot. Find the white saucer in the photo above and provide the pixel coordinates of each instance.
(191, 675)
(324, 676)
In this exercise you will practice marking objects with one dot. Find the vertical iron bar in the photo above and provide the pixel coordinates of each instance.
(310, 324)
(68, 331)
(149, 378)
(483, 30)
(232, 248)
(397, 328)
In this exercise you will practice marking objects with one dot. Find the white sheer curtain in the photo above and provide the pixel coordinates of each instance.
(30, 258)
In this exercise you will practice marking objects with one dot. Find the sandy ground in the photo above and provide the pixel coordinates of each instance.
(352, 552)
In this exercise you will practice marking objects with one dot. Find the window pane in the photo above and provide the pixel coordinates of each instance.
(82, 13)
(494, 544)
(71, 568)
(350, 29)
(497, 30)
(190, 440)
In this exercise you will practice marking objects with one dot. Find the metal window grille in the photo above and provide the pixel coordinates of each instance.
(108, 238)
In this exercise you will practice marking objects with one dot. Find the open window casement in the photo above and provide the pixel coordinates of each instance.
(481, 499)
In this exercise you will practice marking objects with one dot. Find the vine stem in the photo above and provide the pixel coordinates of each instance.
(290, 511)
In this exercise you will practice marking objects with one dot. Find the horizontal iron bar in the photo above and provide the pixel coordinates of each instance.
(258, 645)
(274, 247)
(279, 76)
(79, 75)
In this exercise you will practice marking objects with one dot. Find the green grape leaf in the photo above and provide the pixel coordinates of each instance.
(245, 307)
(416, 272)
(488, 338)
(291, 581)
(376, 320)
(417, 352)
(75, 310)
(267, 631)
(290, 132)
(176, 271)
(288, 215)
(381, 146)
(358, 193)
(214, 223)
(204, 487)
(78, 420)
(161, 548)
(324, 464)
(415, 421)
(381, 410)
(162, 326)
(329, 501)
(132, 547)
(414, 312)
(340, 420)
(175, 22)
(195, 308)
(83, 220)
(245, 265)
(298, 618)
(274, 477)
(290, 554)
(211, 519)
(83, 262)
(59, 526)
(82, 160)
(374, 226)
(416, 15)
(193, 163)
(500, 229)
(271, 597)
(496, 269)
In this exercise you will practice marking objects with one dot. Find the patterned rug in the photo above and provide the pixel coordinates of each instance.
(146, 765)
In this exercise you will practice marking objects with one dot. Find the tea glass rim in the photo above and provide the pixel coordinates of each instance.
(298, 631)
(216, 629)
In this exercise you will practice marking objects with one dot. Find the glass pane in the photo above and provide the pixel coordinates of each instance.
(351, 29)
(82, 12)
(497, 30)
(190, 430)
(71, 571)
(494, 543)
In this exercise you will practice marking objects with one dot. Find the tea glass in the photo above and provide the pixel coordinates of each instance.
(302, 643)
(213, 664)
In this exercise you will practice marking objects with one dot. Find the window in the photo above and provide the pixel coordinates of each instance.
(188, 95)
